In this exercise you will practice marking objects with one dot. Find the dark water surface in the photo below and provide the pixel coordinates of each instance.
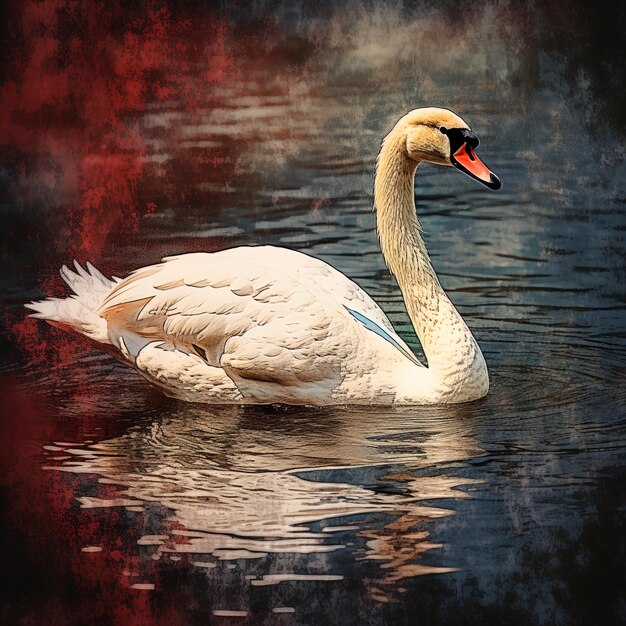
(507, 510)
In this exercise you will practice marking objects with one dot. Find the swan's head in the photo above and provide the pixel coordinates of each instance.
(442, 137)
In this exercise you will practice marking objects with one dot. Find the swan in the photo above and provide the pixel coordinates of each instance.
(265, 324)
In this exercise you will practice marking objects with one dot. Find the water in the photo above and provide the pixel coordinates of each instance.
(509, 509)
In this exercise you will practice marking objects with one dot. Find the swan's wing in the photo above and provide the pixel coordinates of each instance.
(262, 313)
(325, 279)
(238, 309)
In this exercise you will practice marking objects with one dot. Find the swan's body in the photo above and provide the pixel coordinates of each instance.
(271, 325)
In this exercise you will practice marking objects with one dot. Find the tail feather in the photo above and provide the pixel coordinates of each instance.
(78, 311)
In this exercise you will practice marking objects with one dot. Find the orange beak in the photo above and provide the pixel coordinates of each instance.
(466, 160)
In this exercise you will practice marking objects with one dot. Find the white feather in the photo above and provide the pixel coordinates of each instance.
(79, 310)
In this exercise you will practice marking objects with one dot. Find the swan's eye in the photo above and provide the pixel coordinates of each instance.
(444, 130)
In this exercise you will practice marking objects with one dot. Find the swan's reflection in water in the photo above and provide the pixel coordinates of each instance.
(243, 483)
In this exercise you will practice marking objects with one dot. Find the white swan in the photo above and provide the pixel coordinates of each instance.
(271, 325)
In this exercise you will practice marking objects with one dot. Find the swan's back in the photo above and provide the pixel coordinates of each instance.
(275, 320)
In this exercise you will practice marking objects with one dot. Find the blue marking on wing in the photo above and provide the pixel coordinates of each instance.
(381, 332)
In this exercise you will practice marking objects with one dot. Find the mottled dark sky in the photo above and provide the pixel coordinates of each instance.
(79, 169)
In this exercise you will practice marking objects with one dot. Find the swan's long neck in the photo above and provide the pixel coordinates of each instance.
(452, 352)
